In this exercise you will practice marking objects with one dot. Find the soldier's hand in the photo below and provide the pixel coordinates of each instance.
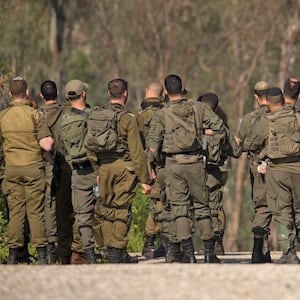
(146, 188)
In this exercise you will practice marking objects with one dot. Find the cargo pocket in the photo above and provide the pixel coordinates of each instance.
(272, 202)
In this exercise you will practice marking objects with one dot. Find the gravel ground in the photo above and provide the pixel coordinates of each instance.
(153, 279)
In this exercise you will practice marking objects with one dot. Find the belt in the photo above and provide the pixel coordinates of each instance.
(83, 165)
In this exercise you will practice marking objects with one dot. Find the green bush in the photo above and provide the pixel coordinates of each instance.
(140, 210)
(3, 232)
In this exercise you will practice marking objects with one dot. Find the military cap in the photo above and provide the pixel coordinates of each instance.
(261, 86)
(75, 88)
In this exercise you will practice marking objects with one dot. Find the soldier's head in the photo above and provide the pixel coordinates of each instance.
(118, 89)
(260, 92)
(76, 89)
(173, 86)
(154, 90)
(209, 99)
(18, 88)
(275, 98)
(291, 90)
(48, 90)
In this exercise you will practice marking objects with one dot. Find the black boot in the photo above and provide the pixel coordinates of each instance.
(160, 251)
(174, 253)
(219, 248)
(65, 260)
(149, 247)
(89, 255)
(209, 252)
(51, 254)
(114, 255)
(188, 251)
(12, 256)
(42, 255)
(127, 259)
(257, 253)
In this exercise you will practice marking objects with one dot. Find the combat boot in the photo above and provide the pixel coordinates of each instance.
(114, 255)
(42, 255)
(127, 259)
(219, 248)
(209, 252)
(188, 251)
(12, 256)
(257, 254)
(149, 247)
(51, 254)
(78, 258)
(65, 260)
(289, 258)
(160, 251)
(89, 255)
(174, 253)
(266, 249)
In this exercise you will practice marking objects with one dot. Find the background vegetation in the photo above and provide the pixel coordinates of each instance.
(221, 46)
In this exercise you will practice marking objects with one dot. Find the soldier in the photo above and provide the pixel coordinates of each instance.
(250, 143)
(73, 129)
(218, 163)
(48, 95)
(24, 133)
(280, 133)
(177, 130)
(152, 102)
(121, 168)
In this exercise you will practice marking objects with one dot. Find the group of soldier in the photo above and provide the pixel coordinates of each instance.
(74, 200)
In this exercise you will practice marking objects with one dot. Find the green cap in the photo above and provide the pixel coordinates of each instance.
(75, 87)
(261, 86)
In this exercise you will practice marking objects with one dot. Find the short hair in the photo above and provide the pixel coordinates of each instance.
(291, 88)
(173, 84)
(18, 87)
(117, 87)
(275, 95)
(210, 99)
(49, 90)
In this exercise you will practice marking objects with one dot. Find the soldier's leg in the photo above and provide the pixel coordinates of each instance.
(15, 196)
(279, 199)
(295, 179)
(118, 185)
(64, 211)
(200, 200)
(83, 200)
(35, 184)
(50, 216)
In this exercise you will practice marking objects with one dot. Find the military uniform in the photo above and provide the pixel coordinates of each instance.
(187, 193)
(251, 143)
(62, 187)
(119, 174)
(24, 182)
(83, 180)
(154, 221)
(50, 201)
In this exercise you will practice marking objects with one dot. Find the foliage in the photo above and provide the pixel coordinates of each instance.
(3, 232)
(140, 210)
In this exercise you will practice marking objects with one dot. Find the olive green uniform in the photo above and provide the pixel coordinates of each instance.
(248, 135)
(50, 201)
(119, 174)
(153, 223)
(62, 187)
(24, 183)
(282, 183)
(83, 180)
(187, 193)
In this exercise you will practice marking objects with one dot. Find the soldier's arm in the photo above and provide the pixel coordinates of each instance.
(155, 136)
(43, 132)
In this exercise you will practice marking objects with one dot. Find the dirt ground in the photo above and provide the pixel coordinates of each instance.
(236, 278)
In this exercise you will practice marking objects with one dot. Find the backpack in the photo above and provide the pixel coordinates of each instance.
(283, 134)
(73, 133)
(102, 134)
(214, 148)
(183, 127)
